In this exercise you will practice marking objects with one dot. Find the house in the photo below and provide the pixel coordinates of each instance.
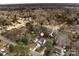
(40, 40)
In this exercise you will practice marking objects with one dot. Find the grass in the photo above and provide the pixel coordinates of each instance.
(40, 49)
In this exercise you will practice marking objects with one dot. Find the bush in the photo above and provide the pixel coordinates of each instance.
(1, 54)
(3, 21)
(11, 48)
(29, 27)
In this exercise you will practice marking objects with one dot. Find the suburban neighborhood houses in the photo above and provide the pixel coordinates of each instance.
(39, 30)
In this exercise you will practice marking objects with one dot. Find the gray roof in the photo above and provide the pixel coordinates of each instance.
(57, 49)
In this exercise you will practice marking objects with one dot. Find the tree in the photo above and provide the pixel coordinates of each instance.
(48, 45)
(14, 19)
(26, 37)
(20, 49)
(11, 48)
(29, 27)
(3, 21)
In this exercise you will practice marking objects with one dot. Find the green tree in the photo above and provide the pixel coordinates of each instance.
(48, 45)
(11, 48)
(20, 49)
(29, 27)
(14, 19)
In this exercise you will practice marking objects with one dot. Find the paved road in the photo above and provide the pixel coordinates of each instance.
(7, 40)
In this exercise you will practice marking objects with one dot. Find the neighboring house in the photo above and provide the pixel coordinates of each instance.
(5, 45)
(59, 51)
